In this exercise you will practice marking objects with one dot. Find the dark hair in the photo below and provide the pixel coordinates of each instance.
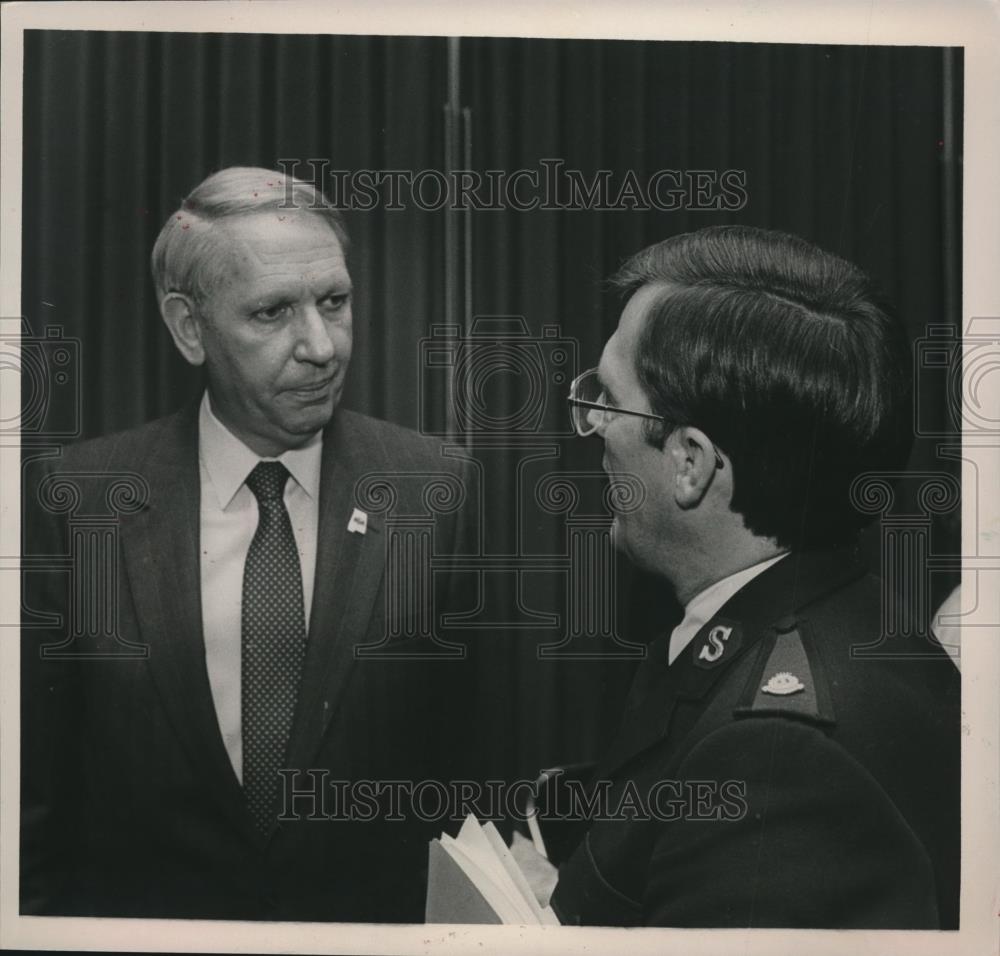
(786, 358)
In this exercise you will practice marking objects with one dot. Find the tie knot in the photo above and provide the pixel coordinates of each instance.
(267, 481)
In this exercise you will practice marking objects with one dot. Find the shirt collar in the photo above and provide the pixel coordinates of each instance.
(704, 605)
(228, 460)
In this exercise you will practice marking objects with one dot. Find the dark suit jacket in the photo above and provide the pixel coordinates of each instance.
(833, 806)
(130, 806)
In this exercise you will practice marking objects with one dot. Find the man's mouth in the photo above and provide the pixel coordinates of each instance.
(313, 389)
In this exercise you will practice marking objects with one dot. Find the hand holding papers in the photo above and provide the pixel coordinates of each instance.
(538, 871)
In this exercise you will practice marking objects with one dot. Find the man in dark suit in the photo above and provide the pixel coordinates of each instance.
(776, 766)
(201, 755)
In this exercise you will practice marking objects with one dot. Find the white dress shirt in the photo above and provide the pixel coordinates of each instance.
(228, 524)
(704, 605)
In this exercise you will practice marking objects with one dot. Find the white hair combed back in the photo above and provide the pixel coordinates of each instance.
(186, 259)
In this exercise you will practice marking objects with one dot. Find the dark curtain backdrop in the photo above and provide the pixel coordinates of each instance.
(850, 147)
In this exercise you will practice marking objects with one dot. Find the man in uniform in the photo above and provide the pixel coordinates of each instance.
(778, 772)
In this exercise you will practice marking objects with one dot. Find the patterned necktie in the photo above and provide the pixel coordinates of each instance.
(274, 640)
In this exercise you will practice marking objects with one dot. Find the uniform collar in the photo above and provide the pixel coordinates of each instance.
(771, 601)
(773, 598)
(704, 605)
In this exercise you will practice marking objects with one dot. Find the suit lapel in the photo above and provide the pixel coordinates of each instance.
(349, 569)
(161, 556)
(738, 626)
(649, 712)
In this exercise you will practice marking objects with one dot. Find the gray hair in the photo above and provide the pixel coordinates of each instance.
(188, 260)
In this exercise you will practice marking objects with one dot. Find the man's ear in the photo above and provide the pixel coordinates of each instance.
(695, 464)
(180, 315)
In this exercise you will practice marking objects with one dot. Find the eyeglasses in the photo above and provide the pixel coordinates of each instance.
(587, 395)
(589, 409)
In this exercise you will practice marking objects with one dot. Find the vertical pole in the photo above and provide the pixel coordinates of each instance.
(452, 255)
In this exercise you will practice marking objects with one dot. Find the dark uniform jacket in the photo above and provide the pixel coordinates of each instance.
(788, 770)
(130, 805)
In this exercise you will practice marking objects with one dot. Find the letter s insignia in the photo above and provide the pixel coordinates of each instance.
(722, 641)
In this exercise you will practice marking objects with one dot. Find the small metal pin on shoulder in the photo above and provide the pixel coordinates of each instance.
(359, 522)
(783, 684)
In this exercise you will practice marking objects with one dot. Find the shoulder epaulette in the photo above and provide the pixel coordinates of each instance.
(788, 678)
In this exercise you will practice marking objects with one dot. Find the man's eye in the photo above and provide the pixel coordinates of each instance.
(335, 301)
(272, 313)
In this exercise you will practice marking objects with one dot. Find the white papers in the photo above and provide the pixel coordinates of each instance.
(487, 863)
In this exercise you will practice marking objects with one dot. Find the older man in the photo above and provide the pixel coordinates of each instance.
(242, 589)
(766, 773)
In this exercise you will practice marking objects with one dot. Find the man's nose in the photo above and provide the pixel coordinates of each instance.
(315, 344)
